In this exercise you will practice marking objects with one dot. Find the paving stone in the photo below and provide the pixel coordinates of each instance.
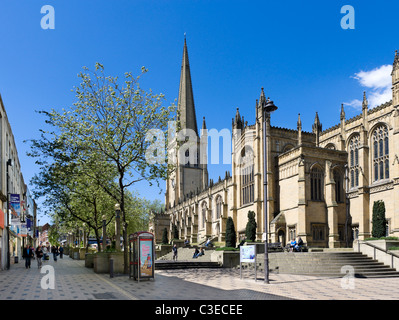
(75, 282)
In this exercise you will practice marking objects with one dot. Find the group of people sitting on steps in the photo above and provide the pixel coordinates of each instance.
(197, 252)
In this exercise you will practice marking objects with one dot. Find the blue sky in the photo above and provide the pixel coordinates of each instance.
(296, 50)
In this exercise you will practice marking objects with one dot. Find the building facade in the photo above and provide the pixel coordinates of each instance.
(321, 185)
(21, 224)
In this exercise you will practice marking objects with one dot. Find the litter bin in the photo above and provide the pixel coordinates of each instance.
(16, 259)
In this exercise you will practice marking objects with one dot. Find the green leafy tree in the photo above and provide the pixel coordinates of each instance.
(70, 198)
(54, 235)
(250, 230)
(379, 221)
(230, 233)
(109, 134)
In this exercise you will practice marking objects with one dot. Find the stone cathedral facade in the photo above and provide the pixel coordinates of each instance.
(321, 184)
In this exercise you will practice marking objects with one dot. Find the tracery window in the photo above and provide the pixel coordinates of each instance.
(381, 153)
(218, 207)
(316, 184)
(338, 186)
(354, 161)
(318, 232)
(203, 215)
(247, 178)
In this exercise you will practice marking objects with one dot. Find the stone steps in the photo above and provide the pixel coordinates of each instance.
(327, 264)
(168, 265)
(186, 254)
(185, 260)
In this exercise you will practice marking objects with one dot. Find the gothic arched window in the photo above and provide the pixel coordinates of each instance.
(354, 161)
(381, 153)
(247, 177)
(338, 186)
(316, 184)
(203, 215)
(218, 207)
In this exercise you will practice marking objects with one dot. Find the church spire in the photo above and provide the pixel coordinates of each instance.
(185, 103)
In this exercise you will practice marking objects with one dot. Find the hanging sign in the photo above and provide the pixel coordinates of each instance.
(15, 209)
(23, 231)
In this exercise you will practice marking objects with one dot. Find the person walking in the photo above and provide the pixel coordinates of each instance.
(174, 249)
(54, 251)
(39, 256)
(45, 255)
(61, 252)
(27, 255)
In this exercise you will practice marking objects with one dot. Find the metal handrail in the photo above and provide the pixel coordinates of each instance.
(375, 248)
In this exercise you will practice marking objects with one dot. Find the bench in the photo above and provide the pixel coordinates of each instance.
(275, 246)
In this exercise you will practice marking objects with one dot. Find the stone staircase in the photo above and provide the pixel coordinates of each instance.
(332, 264)
(185, 260)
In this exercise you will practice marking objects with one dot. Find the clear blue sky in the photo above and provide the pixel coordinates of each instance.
(296, 50)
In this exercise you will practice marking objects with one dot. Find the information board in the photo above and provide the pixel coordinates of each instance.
(247, 254)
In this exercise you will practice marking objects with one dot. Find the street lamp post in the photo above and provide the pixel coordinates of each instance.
(268, 107)
(9, 164)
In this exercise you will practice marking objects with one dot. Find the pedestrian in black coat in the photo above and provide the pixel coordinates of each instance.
(27, 254)
(54, 251)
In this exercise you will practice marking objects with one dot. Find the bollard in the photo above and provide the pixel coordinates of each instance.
(111, 268)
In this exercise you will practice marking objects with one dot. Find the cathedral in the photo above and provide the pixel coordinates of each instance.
(321, 185)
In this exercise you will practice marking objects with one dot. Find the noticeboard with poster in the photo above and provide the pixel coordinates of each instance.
(247, 255)
(146, 258)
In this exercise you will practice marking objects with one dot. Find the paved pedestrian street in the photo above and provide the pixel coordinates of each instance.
(73, 281)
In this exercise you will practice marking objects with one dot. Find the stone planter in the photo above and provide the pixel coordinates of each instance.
(101, 262)
(82, 253)
(118, 261)
(228, 259)
(384, 244)
(89, 260)
(75, 254)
